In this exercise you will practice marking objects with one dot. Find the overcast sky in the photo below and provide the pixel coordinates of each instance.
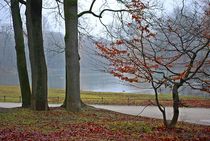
(57, 24)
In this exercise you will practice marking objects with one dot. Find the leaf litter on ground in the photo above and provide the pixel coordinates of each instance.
(91, 124)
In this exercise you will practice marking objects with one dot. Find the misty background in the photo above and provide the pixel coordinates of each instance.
(92, 76)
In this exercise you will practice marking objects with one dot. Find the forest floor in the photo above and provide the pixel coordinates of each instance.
(91, 124)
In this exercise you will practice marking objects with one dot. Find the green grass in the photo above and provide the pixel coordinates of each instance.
(129, 125)
(90, 124)
(12, 94)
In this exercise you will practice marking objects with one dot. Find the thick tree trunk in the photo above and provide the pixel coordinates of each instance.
(36, 53)
(72, 56)
(20, 54)
(64, 103)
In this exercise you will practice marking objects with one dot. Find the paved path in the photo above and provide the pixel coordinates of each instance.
(191, 115)
(13, 105)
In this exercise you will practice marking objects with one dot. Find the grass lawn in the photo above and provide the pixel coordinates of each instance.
(91, 125)
(12, 94)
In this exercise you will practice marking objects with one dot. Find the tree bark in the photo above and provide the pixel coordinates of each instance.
(176, 103)
(36, 53)
(161, 108)
(72, 56)
(20, 55)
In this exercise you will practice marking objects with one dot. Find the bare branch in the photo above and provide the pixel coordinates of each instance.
(22, 2)
(101, 13)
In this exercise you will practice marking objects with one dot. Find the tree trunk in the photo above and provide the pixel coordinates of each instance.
(160, 107)
(176, 103)
(64, 103)
(20, 54)
(72, 56)
(36, 53)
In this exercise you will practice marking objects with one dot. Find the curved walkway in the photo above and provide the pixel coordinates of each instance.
(191, 115)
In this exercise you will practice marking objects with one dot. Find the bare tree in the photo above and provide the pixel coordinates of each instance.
(165, 52)
(72, 56)
(36, 53)
(20, 53)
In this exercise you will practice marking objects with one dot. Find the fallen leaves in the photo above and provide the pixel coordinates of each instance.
(90, 125)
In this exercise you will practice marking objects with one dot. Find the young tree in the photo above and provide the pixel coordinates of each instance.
(165, 52)
(36, 54)
(20, 53)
